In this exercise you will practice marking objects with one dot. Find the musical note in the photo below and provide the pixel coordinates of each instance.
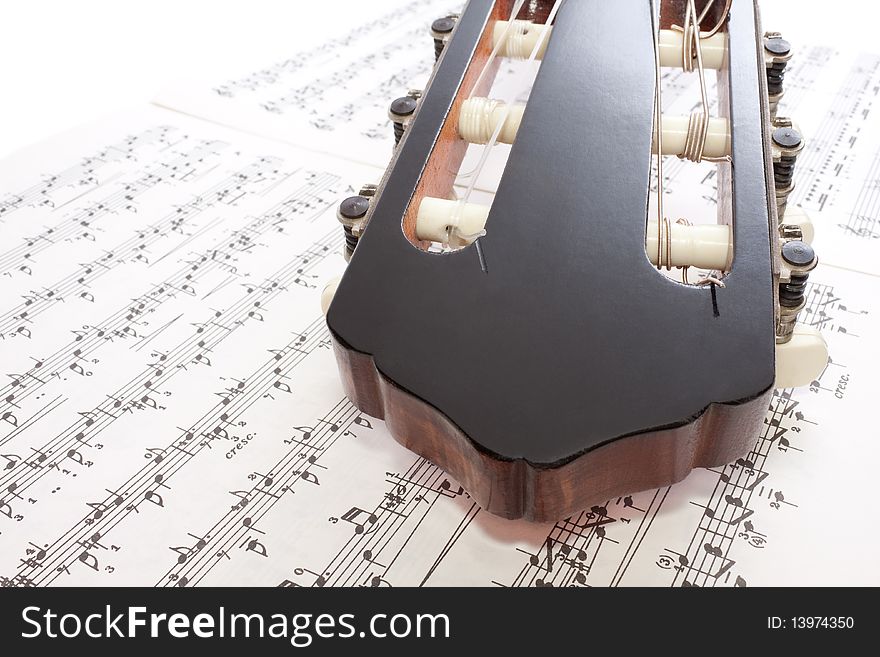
(354, 516)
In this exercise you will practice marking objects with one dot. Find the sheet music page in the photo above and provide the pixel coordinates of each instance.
(157, 300)
(333, 98)
(172, 414)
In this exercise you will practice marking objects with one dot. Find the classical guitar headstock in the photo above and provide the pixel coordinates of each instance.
(552, 337)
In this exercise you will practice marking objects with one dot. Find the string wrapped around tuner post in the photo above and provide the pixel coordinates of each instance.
(692, 60)
(697, 128)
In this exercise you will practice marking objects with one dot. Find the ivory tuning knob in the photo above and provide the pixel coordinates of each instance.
(328, 293)
(802, 359)
(797, 217)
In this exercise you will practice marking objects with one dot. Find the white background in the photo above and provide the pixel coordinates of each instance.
(63, 63)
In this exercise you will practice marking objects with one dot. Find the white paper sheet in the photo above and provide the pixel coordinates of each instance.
(171, 411)
(333, 98)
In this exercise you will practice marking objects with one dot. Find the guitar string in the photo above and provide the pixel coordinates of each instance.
(697, 130)
(453, 228)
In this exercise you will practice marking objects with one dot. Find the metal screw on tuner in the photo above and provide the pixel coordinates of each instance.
(799, 259)
(777, 53)
(787, 144)
(441, 31)
(402, 111)
(352, 214)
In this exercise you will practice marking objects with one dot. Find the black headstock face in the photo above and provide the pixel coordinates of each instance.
(551, 343)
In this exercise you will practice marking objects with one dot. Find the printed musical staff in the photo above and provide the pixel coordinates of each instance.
(299, 466)
(176, 225)
(334, 97)
(83, 223)
(163, 465)
(87, 173)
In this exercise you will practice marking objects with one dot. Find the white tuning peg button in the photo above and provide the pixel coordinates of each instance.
(802, 359)
(797, 216)
(328, 293)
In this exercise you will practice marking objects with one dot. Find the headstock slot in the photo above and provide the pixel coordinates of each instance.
(685, 227)
(441, 169)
